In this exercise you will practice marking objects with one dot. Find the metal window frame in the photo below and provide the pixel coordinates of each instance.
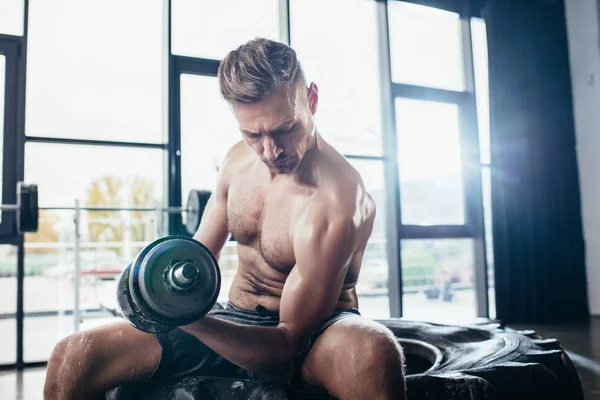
(471, 170)
(181, 65)
(13, 169)
(9, 48)
(391, 172)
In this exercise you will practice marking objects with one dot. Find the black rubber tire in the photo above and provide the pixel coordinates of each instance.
(484, 362)
(444, 362)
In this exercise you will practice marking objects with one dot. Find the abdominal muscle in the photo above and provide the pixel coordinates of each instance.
(258, 283)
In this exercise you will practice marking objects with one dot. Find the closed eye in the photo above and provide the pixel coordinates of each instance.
(284, 131)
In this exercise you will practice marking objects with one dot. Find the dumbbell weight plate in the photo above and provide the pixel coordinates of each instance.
(151, 292)
(196, 203)
(133, 314)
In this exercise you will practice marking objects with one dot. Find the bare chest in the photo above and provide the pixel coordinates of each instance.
(261, 217)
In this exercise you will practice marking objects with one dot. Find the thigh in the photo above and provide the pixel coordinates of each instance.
(103, 357)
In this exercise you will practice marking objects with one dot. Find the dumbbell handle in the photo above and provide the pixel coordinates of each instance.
(182, 276)
(9, 207)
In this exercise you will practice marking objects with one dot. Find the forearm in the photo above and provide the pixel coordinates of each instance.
(267, 350)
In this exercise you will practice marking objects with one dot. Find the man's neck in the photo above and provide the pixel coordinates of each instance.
(305, 169)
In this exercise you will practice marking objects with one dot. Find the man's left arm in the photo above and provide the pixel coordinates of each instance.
(323, 247)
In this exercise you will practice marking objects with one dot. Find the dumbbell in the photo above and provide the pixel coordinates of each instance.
(172, 282)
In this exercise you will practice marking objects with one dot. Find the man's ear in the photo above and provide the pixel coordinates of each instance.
(313, 97)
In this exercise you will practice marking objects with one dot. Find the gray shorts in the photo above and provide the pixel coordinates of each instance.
(184, 355)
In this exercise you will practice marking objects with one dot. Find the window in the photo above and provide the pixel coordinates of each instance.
(480, 61)
(109, 242)
(341, 56)
(425, 46)
(94, 70)
(49, 284)
(372, 287)
(438, 280)
(96, 175)
(210, 29)
(429, 154)
(208, 131)
(8, 303)
(486, 181)
(11, 17)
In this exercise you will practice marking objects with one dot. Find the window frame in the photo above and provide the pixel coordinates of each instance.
(471, 171)
(9, 48)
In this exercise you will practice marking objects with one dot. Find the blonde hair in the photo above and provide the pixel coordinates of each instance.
(257, 69)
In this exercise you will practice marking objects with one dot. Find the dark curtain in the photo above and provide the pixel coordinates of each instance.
(537, 228)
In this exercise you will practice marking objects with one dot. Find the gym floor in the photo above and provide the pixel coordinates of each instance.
(582, 342)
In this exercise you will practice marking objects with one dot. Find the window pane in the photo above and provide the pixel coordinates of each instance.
(480, 60)
(8, 304)
(27, 385)
(438, 280)
(96, 175)
(11, 17)
(109, 242)
(49, 284)
(486, 182)
(210, 29)
(93, 173)
(372, 287)
(431, 185)
(87, 81)
(341, 56)
(2, 105)
(208, 131)
(426, 47)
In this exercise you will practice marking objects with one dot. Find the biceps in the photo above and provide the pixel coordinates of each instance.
(308, 299)
(213, 227)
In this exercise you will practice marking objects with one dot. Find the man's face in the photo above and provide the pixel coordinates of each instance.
(280, 129)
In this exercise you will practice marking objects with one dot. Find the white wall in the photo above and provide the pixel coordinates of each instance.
(584, 48)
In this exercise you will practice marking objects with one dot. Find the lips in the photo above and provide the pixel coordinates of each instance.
(280, 163)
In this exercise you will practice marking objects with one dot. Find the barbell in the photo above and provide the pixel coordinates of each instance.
(27, 208)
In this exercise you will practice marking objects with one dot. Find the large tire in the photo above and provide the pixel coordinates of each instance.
(484, 362)
(446, 362)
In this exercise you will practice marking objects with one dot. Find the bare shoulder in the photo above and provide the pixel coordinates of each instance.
(235, 160)
(341, 202)
(346, 191)
(235, 157)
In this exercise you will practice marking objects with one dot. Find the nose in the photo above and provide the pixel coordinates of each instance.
(271, 150)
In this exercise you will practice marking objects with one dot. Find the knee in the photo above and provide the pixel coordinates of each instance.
(66, 365)
(378, 350)
(58, 358)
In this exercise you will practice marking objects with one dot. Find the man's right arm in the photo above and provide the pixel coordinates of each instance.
(213, 231)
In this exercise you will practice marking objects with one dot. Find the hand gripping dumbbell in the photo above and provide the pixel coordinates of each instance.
(172, 282)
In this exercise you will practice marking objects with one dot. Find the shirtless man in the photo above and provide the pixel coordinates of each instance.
(302, 218)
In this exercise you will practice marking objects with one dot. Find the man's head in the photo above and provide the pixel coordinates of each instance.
(265, 85)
